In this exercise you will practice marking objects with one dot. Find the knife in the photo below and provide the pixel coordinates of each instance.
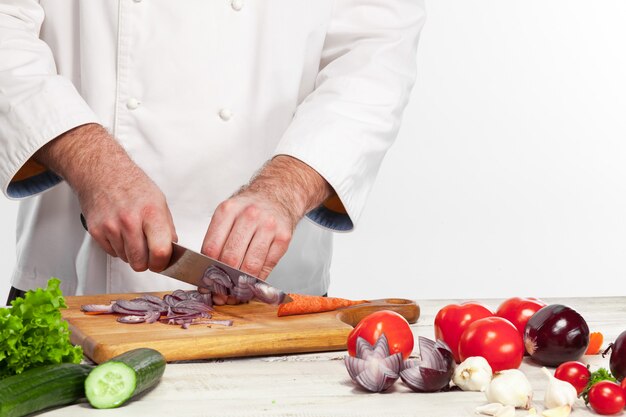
(189, 266)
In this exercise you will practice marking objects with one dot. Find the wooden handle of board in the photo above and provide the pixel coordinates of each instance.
(406, 308)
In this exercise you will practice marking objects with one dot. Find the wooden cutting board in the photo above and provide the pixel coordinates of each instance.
(256, 330)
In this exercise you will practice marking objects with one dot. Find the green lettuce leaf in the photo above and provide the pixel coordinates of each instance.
(33, 333)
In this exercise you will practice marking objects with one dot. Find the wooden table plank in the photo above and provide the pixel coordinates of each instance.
(315, 385)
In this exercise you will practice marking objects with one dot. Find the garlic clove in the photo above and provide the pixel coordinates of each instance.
(562, 411)
(507, 411)
(558, 392)
(532, 411)
(489, 409)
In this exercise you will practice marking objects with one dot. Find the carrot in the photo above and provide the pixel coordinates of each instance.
(307, 304)
(595, 343)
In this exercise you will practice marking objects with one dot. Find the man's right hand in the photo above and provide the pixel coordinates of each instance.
(126, 212)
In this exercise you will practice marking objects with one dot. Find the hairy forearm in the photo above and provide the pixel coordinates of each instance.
(88, 158)
(292, 183)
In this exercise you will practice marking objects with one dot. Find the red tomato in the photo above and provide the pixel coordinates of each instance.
(452, 320)
(393, 325)
(606, 397)
(623, 385)
(518, 310)
(495, 339)
(575, 373)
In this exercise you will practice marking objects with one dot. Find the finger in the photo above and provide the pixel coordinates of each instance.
(106, 246)
(102, 240)
(277, 250)
(136, 247)
(240, 236)
(219, 229)
(255, 256)
(113, 236)
(232, 300)
(159, 233)
(219, 299)
(171, 226)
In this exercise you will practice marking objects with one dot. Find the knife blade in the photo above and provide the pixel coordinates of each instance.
(190, 266)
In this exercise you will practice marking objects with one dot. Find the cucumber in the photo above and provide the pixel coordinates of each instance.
(39, 388)
(123, 377)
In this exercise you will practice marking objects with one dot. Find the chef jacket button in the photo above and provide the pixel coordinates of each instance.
(137, 1)
(236, 5)
(225, 114)
(132, 103)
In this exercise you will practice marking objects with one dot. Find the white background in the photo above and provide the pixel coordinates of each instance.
(509, 174)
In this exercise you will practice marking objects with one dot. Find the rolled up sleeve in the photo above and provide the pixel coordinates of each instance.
(346, 125)
(36, 104)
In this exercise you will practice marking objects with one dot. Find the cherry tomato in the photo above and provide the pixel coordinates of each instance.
(452, 320)
(606, 397)
(518, 310)
(575, 373)
(393, 325)
(623, 385)
(495, 339)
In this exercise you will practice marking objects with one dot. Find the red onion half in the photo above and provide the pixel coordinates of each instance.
(556, 334)
(433, 371)
(373, 368)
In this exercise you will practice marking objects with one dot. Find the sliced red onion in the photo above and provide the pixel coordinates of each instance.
(246, 280)
(152, 316)
(120, 310)
(180, 307)
(215, 275)
(180, 294)
(158, 302)
(193, 305)
(136, 305)
(373, 368)
(97, 308)
(219, 289)
(202, 298)
(226, 323)
(267, 294)
(433, 371)
(131, 319)
(242, 292)
(170, 300)
(152, 298)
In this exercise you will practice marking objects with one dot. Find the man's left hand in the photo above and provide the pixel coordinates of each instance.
(251, 230)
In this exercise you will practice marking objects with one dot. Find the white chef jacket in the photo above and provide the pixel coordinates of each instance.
(200, 93)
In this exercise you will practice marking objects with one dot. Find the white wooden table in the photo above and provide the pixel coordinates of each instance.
(313, 385)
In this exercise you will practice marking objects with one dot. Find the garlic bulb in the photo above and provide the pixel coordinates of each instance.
(473, 374)
(510, 387)
(558, 392)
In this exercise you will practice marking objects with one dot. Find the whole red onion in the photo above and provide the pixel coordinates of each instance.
(556, 334)
(617, 363)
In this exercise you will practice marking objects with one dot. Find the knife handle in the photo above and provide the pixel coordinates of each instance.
(83, 222)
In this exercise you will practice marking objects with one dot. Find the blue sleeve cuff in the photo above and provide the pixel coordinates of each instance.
(33, 185)
(329, 219)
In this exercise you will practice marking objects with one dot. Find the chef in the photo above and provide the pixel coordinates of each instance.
(248, 129)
